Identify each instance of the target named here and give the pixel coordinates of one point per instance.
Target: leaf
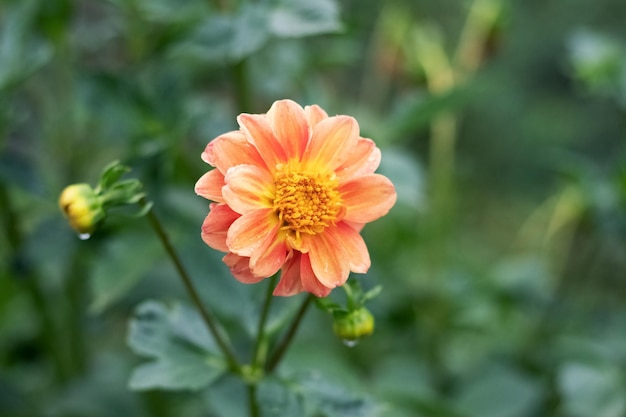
(182, 350)
(223, 39)
(301, 18)
(278, 399)
(330, 400)
(592, 391)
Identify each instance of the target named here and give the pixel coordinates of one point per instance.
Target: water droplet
(350, 342)
(84, 236)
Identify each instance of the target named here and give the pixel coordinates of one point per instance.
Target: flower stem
(252, 403)
(260, 336)
(284, 344)
(206, 314)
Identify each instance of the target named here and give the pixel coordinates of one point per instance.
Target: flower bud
(354, 324)
(81, 206)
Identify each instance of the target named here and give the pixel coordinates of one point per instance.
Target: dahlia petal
(247, 188)
(239, 267)
(315, 114)
(216, 224)
(363, 160)
(310, 281)
(332, 140)
(249, 231)
(354, 246)
(290, 126)
(259, 133)
(231, 149)
(329, 259)
(268, 258)
(367, 198)
(290, 279)
(210, 186)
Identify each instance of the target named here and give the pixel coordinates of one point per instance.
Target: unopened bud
(354, 324)
(82, 207)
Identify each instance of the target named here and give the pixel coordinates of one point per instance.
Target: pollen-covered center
(306, 202)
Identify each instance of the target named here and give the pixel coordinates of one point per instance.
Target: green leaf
(223, 39)
(592, 391)
(278, 399)
(330, 400)
(182, 350)
(301, 18)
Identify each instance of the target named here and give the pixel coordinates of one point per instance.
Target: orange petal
(363, 160)
(210, 186)
(329, 260)
(354, 246)
(216, 224)
(231, 149)
(290, 282)
(310, 283)
(238, 266)
(331, 142)
(315, 114)
(248, 232)
(247, 188)
(268, 258)
(259, 133)
(367, 198)
(290, 126)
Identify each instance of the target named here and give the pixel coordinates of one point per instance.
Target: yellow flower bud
(354, 325)
(81, 206)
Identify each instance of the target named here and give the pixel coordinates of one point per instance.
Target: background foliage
(503, 262)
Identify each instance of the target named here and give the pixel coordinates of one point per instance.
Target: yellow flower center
(306, 202)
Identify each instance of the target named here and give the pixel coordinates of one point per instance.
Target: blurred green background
(502, 125)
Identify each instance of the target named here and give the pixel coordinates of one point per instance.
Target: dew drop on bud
(350, 342)
(84, 236)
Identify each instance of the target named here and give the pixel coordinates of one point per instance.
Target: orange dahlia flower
(292, 190)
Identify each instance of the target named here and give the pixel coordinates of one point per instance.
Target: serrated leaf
(182, 350)
(305, 18)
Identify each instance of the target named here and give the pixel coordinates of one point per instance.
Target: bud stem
(206, 314)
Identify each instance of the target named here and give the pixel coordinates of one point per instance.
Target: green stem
(260, 336)
(284, 344)
(252, 403)
(206, 314)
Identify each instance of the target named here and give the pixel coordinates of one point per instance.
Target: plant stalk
(206, 314)
(286, 341)
(257, 356)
